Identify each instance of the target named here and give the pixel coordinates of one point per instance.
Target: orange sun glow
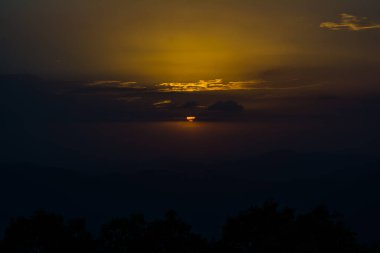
(191, 118)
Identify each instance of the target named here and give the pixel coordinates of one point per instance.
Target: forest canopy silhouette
(265, 228)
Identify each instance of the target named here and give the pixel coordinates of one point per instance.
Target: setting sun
(191, 118)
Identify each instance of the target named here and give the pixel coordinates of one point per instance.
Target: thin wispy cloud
(116, 84)
(129, 99)
(162, 103)
(350, 23)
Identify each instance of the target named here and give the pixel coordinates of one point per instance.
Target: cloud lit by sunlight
(209, 85)
(200, 86)
(351, 23)
(162, 103)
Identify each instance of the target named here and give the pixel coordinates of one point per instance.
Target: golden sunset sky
(160, 41)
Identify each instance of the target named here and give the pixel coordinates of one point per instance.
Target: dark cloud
(190, 105)
(25, 98)
(285, 92)
(226, 106)
(109, 86)
(287, 78)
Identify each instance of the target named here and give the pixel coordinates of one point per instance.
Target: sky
(139, 54)
(268, 62)
(218, 60)
(184, 41)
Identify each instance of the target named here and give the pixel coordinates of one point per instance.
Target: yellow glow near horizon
(204, 49)
(155, 41)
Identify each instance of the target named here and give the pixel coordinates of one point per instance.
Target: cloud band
(350, 23)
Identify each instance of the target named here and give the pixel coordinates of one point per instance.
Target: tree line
(261, 229)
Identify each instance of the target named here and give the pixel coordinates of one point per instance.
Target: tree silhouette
(1, 246)
(264, 229)
(172, 235)
(259, 229)
(123, 235)
(80, 239)
(45, 233)
(135, 235)
(319, 231)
